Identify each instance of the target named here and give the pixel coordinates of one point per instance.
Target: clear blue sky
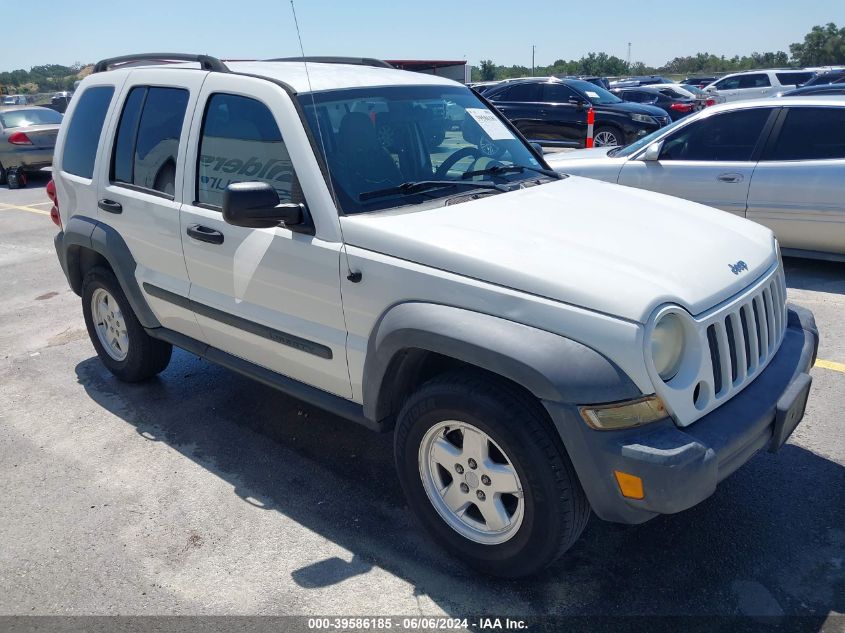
(66, 31)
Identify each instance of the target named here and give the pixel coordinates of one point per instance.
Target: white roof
(810, 100)
(324, 76)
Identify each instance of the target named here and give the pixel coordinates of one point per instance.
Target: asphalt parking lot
(203, 492)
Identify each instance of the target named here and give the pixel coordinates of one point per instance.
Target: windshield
(378, 138)
(25, 118)
(596, 94)
(645, 141)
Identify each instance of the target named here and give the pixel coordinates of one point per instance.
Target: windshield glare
(380, 137)
(634, 147)
(596, 94)
(25, 118)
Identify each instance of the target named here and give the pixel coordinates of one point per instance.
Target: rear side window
(793, 79)
(83, 134)
(147, 139)
(241, 142)
(731, 136)
(811, 133)
(522, 92)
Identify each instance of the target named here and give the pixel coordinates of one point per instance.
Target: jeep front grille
(743, 337)
(737, 339)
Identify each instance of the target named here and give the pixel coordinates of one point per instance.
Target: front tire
(486, 476)
(606, 136)
(123, 346)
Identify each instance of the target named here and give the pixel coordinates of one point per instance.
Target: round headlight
(667, 346)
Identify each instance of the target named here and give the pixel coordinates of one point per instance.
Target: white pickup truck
(538, 347)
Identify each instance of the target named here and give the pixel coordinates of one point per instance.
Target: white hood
(600, 246)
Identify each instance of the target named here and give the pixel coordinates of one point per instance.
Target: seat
(365, 164)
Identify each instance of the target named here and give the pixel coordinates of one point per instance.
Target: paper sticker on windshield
(490, 123)
(591, 94)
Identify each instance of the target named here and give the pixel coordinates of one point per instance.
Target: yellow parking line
(4, 207)
(40, 204)
(829, 364)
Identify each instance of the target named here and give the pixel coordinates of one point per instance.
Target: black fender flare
(552, 367)
(84, 232)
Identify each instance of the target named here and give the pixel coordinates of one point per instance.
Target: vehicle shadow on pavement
(810, 274)
(769, 543)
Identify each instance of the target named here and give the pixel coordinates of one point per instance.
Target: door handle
(205, 234)
(730, 177)
(110, 205)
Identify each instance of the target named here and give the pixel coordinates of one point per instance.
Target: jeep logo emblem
(739, 267)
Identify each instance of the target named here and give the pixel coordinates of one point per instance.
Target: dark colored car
(645, 80)
(805, 91)
(832, 77)
(601, 82)
(675, 103)
(553, 112)
(699, 81)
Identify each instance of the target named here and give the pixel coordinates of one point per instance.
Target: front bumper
(681, 467)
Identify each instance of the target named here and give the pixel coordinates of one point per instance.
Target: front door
(270, 296)
(710, 161)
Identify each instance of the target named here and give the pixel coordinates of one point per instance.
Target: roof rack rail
(328, 59)
(206, 62)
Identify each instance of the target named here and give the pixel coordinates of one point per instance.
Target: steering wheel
(452, 160)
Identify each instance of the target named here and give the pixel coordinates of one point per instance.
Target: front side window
(148, 136)
(731, 136)
(83, 135)
(558, 93)
(728, 83)
(378, 138)
(241, 142)
(811, 134)
(754, 81)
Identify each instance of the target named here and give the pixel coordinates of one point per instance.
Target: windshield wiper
(512, 169)
(418, 186)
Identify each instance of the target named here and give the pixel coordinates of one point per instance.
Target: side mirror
(538, 148)
(652, 152)
(577, 102)
(256, 205)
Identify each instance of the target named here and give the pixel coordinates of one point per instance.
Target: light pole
(629, 56)
(532, 60)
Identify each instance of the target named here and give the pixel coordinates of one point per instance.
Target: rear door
(798, 187)
(270, 296)
(708, 161)
(139, 183)
(522, 103)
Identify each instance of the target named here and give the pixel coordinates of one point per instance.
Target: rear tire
(451, 494)
(121, 342)
(2, 174)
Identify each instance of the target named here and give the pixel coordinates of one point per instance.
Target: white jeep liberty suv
(540, 345)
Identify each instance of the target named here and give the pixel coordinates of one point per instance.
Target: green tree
(822, 46)
(487, 69)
